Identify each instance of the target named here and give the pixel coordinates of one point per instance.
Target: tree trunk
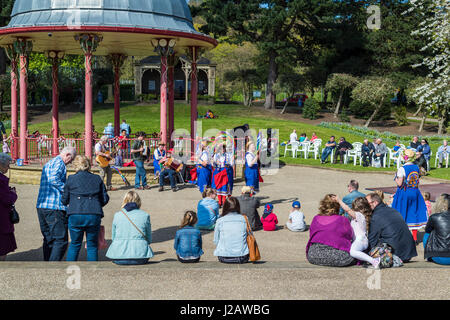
(1, 100)
(271, 79)
(2, 61)
(442, 120)
(417, 112)
(338, 106)
(286, 104)
(422, 123)
(374, 113)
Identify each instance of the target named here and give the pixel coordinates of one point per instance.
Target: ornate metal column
(23, 47)
(171, 65)
(117, 60)
(164, 47)
(193, 56)
(89, 44)
(55, 57)
(14, 57)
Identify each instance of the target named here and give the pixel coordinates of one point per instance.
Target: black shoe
(175, 189)
(161, 189)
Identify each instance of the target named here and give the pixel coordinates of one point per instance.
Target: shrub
(311, 109)
(363, 110)
(400, 115)
(343, 116)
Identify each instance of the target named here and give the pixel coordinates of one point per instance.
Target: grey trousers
(108, 173)
(322, 255)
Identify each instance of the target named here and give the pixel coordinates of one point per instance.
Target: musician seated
(169, 168)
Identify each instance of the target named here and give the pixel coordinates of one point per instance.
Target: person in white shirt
(293, 136)
(296, 222)
(360, 224)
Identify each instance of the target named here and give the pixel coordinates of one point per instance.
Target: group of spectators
(74, 206)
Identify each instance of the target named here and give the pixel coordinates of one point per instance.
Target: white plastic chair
(314, 147)
(354, 153)
(304, 146)
(293, 148)
(392, 157)
(446, 157)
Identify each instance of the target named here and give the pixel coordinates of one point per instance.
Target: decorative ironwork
(89, 44)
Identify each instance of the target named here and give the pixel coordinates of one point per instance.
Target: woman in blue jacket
(84, 195)
(207, 210)
(131, 233)
(188, 240)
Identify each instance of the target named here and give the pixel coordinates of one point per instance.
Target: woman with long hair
(251, 167)
(188, 240)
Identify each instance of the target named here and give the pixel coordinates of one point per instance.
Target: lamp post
(55, 57)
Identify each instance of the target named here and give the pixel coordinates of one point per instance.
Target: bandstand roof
(127, 26)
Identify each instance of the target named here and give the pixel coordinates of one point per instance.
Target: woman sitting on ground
(188, 240)
(330, 236)
(230, 234)
(436, 240)
(131, 233)
(208, 210)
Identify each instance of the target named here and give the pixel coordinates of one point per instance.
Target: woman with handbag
(7, 199)
(84, 195)
(131, 233)
(230, 234)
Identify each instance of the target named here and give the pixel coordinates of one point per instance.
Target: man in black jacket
(249, 206)
(341, 149)
(387, 226)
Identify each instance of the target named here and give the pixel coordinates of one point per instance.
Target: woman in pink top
(269, 219)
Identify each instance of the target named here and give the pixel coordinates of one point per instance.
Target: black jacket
(249, 206)
(438, 244)
(344, 145)
(387, 225)
(85, 193)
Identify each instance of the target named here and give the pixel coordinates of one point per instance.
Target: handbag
(14, 215)
(251, 242)
(136, 227)
(102, 244)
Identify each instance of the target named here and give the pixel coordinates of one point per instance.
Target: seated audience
(313, 137)
(353, 193)
(131, 233)
(7, 199)
(436, 241)
(414, 143)
(303, 138)
(249, 206)
(388, 226)
(188, 240)
(380, 151)
(84, 195)
(269, 219)
(208, 210)
(426, 197)
(230, 234)
(367, 150)
(293, 136)
(330, 236)
(329, 147)
(423, 154)
(296, 222)
(443, 153)
(341, 149)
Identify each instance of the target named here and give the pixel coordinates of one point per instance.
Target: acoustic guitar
(102, 161)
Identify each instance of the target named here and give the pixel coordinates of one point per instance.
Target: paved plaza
(283, 273)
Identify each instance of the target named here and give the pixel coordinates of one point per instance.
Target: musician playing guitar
(137, 152)
(103, 157)
(170, 167)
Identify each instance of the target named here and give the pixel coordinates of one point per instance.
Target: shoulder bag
(14, 215)
(251, 242)
(136, 227)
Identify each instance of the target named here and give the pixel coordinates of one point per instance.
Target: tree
(434, 95)
(373, 91)
(5, 86)
(5, 13)
(280, 29)
(291, 82)
(338, 83)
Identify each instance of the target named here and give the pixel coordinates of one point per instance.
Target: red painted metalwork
(194, 92)
(55, 107)
(171, 97)
(14, 109)
(163, 123)
(117, 61)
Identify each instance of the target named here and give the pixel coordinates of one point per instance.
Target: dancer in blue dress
(220, 180)
(407, 199)
(159, 154)
(204, 169)
(230, 170)
(251, 167)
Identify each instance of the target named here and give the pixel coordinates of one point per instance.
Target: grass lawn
(146, 118)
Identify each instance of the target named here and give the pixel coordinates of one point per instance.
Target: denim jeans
(78, 225)
(326, 153)
(240, 260)
(130, 262)
(171, 174)
(188, 260)
(141, 174)
(53, 224)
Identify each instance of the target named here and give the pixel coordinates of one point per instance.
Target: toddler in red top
(269, 219)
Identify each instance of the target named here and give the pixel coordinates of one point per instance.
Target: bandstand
(113, 28)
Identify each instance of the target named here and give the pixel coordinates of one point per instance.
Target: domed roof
(124, 24)
(154, 14)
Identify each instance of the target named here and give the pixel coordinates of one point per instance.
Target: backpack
(385, 252)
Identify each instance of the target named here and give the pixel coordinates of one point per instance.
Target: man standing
(388, 226)
(137, 152)
(102, 150)
(51, 212)
(125, 126)
(109, 131)
(353, 193)
(329, 147)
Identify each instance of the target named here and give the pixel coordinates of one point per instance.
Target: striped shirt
(53, 179)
